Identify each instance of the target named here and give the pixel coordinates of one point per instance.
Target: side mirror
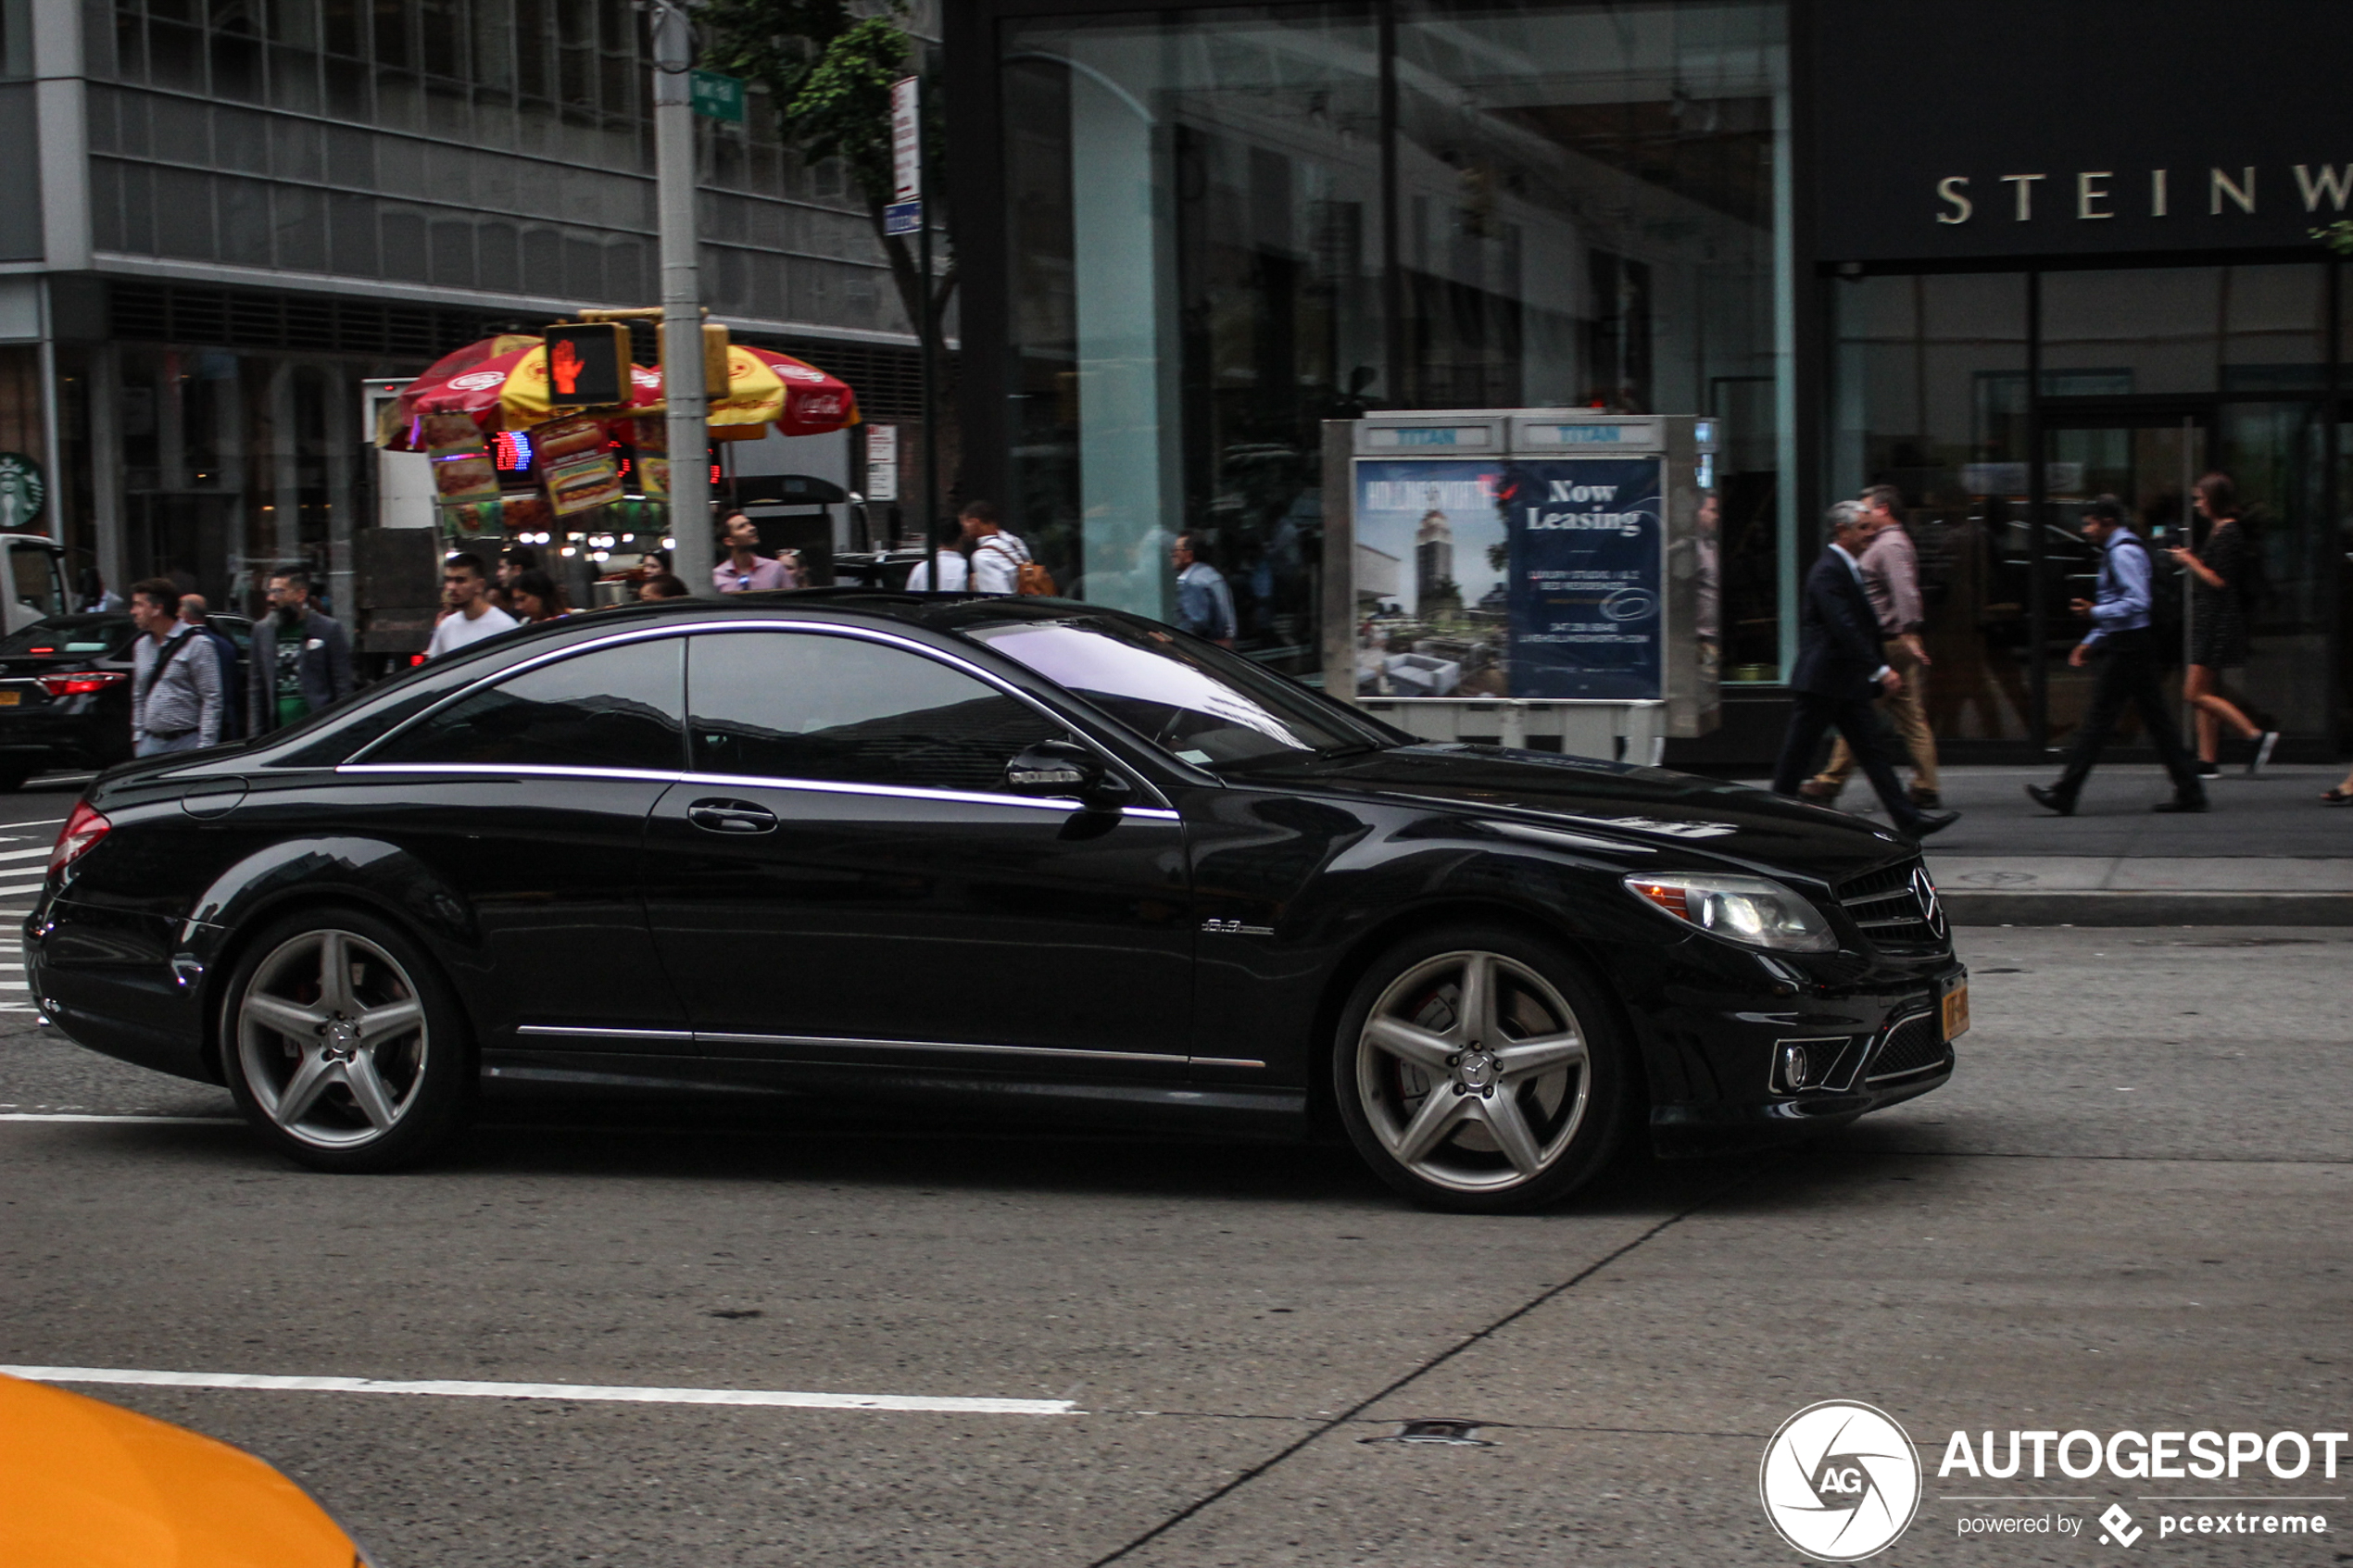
(1057, 769)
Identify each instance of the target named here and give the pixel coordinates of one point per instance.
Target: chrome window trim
(1062, 803)
(727, 1038)
(526, 769)
(649, 633)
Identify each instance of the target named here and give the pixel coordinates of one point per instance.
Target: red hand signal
(565, 365)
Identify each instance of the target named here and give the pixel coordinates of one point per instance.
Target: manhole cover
(1436, 1429)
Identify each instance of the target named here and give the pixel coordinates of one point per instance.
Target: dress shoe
(1927, 800)
(2182, 803)
(1931, 822)
(1818, 792)
(2050, 799)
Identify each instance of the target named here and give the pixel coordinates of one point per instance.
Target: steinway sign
(1964, 129)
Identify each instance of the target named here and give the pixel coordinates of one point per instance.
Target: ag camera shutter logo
(1840, 1481)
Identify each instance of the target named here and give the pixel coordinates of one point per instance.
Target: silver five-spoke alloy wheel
(1472, 1071)
(332, 1039)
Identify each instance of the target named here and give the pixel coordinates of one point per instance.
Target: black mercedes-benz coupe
(1021, 854)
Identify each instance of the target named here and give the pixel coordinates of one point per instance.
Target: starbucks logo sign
(22, 490)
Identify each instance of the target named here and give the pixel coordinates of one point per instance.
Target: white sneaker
(2262, 758)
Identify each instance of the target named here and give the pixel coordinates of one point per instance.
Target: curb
(2169, 907)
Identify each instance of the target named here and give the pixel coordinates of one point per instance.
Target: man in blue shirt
(1204, 604)
(2126, 649)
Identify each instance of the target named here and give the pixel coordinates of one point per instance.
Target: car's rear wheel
(343, 1046)
(1478, 1070)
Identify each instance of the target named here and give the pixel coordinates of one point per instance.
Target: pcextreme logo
(1840, 1481)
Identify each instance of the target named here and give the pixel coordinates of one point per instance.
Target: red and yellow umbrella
(765, 388)
(505, 389)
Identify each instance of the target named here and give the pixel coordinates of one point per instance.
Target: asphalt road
(2128, 1211)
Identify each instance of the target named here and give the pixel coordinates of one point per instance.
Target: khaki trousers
(1906, 713)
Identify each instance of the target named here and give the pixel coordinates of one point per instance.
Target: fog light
(1793, 1067)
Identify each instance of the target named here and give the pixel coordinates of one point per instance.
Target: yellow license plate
(1956, 1012)
(10, 699)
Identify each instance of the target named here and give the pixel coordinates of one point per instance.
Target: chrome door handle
(731, 816)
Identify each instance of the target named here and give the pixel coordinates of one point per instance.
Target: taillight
(82, 683)
(81, 833)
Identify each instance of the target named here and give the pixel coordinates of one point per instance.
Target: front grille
(1888, 907)
(1915, 1045)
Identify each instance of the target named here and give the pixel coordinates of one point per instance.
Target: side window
(614, 708)
(794, 705)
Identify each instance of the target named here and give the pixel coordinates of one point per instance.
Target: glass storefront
(1985, 396)
(1226, 226)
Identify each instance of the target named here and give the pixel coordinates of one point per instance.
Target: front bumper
(1872, 1029)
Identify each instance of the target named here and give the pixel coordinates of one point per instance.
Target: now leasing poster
(1586, 550)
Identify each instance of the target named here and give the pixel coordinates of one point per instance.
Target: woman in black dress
(2218, 571)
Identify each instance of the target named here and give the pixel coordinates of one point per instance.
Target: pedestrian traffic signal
(588, 364)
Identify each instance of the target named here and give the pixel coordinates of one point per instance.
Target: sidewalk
(2268, 854)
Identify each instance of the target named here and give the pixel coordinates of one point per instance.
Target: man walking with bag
(1840, 670)
(1891, 578)
(175, 681)
(2126, 649)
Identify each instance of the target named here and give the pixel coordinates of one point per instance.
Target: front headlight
(1753, 910)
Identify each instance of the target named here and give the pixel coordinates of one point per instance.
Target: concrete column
(106, 464)
(343, 435)
(285, 481)
(64, 130)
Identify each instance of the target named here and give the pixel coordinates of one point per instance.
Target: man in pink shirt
(1891, 578)
(743, 569)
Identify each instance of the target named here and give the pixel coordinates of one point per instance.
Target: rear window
(72, 636)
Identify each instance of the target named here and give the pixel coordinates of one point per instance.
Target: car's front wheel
(342, 1044)
(1478, 1070)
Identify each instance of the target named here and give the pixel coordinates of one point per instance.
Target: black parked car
(999, 852)
(65, 692)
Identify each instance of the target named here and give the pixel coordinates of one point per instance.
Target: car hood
(1655, 808)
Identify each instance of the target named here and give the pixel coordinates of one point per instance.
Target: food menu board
(577, 465)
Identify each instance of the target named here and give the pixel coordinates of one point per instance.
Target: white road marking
(578, 1391)
(24, 854)
(92, 1116)
(20, 888)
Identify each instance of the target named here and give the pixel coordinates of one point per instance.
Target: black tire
(365, 1103)
(1551, 1060)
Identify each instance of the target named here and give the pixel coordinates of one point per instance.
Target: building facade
(2003, 255)
(222, 215)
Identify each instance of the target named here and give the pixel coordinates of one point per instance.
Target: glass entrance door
(2148, 460)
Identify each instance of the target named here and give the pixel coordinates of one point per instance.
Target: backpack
(1030, 580)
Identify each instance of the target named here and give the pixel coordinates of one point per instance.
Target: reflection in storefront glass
(1221, 236)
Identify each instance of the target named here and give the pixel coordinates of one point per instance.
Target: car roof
(949, 613)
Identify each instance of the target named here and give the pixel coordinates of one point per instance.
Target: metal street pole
(927, 335)
(682, 353)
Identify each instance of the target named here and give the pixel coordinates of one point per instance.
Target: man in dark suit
(1840, 669)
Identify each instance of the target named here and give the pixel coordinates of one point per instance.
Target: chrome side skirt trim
(560, 1032)
(551, 1030)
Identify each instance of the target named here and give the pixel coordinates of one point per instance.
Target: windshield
(71, 636)
(1193, 700)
